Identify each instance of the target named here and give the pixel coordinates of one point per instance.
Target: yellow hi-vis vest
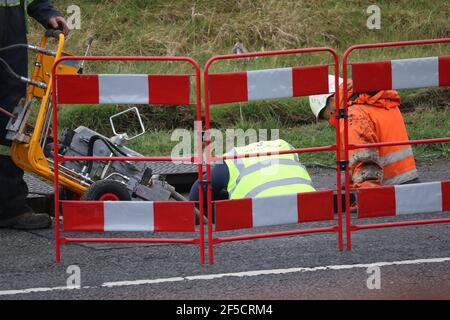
(9, 3)
(266, 175)
(15, 3)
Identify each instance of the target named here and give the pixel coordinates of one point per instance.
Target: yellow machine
(28, 142)
(32, 145)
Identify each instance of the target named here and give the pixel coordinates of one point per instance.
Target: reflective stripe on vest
(396, 156)
(385, 160)
(266, 175)
(398, 166)
(9, 3)
(364, 154)
(245, 171)
(5, 151)
(17, 3)
(402, 178)
(279, 183)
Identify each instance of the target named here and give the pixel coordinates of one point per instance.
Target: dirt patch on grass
(436, 98)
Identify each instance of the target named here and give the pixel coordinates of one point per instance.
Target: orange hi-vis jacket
(373, 119)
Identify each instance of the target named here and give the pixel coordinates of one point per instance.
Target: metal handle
(89, 44)
(52, 33)
(124, 135)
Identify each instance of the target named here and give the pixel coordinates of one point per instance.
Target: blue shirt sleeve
(42, 11)
(219, 182)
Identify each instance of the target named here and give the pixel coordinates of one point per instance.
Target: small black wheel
(107, 190)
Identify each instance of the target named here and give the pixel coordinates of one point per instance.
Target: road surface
(413, 262)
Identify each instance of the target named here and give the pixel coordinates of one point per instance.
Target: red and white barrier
(128, 216)
(401, 74)
(274, 210)
(404, 199)
(268, 84)
(124, 88)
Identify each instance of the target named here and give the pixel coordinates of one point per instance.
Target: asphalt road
(414, 262)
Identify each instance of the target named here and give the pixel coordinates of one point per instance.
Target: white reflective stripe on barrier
(269, 84)
(418, 198)
(415, 73)
(128, 216)
(124, 88)
(268, 211)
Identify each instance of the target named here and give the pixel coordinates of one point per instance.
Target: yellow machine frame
(30, 156)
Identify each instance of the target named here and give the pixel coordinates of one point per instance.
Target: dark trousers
(13, 189)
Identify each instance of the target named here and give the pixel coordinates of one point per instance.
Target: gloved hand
(57, 22)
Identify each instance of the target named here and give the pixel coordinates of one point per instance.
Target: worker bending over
(373, 117)
(258, 176)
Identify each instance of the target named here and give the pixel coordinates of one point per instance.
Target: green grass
(429, 123)
(421, 124)
(203, 28)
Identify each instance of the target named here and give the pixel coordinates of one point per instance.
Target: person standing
(14, 212)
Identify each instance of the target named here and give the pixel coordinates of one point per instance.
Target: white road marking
(33, 290)
(140, 282)
(234, 274)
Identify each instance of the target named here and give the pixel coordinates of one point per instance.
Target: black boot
(27, 221)
(14, 212)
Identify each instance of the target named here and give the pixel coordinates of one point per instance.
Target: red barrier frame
(192, 159)
(348, 147)
(209, 159)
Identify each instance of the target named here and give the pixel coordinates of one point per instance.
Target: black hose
(9, 70)
(29, 47)
(12, 73)
(108, 143)
(14, 46)
(90, 152)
